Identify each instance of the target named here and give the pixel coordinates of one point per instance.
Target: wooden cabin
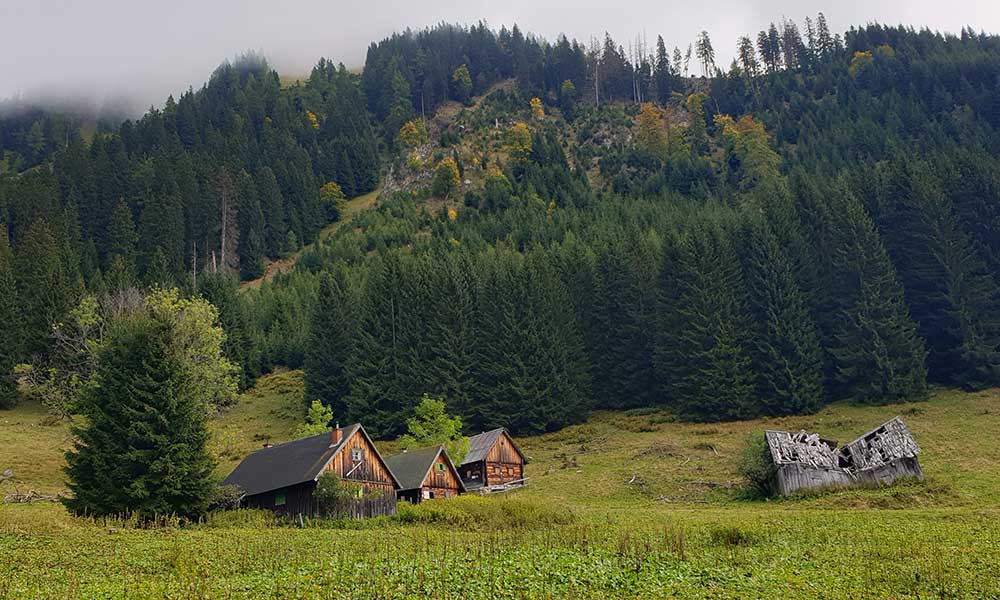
(282, 477)
(425, 474)
(494, 462)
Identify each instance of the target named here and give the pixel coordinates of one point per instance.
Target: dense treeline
(627, 246)
(767, 283)
(218, 181)
(414, 72)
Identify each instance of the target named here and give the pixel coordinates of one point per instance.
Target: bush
(241, 519)
(331, 494)
(730, 536)
(756, 466)
(483, 513)
(225, 497)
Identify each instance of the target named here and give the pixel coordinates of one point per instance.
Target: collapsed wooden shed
(804, 460)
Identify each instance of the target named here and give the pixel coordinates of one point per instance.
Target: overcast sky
(145, 50)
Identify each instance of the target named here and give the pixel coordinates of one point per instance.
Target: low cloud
(137, 52)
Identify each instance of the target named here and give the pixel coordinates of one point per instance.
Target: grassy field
(628, 505)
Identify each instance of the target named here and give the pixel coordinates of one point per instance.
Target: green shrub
(730, 536)
(240, 519)
(225, 497)
(755, 465)
(484, 513)
(331, 494)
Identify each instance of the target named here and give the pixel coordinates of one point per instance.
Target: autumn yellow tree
(518, 142)
(696, 135)
(461, 83)
(331, 197)
(859, 62)
(537, 110)
(331, 192)
(313, 120)
(749, 143)
(446, 180)
(650, 134)
(413, 133)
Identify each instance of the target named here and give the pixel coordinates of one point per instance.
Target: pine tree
(222, 291)
(44, 289)
(704, 356)
(9, 323)
(788, 358)
(877, 354)
(950, 292)
(330, 347)
(250, 225)
(142, 449)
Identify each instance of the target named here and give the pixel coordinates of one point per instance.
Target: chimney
(336, 435)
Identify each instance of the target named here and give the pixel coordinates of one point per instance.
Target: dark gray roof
(479, 445)
(411, 468)
(287, 464)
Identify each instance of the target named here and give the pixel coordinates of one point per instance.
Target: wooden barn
(804, 460)
(494, 463)
(282, 477)
(425, 474)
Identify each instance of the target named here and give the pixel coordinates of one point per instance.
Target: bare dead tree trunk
(194, 266)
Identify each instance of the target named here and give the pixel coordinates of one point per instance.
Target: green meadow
(627, 505)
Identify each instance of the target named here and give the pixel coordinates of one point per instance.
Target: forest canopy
(560, 226)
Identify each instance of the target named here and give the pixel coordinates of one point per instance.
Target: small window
(440, 467)
(356, 455)
(279, 498)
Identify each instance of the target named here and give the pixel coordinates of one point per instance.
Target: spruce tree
(950, 292)
(330, 344)
(142, 448)
(44, 289)
(222, 291)
(625, 306)
(383, 389)
(705, 351)
(786, 350)
(9, 323)
(122, 239)
(877, 354)
(250, 225)
(272, 207)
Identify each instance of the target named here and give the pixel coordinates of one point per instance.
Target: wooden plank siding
(441, 481)
(503, 464)
(370, 472)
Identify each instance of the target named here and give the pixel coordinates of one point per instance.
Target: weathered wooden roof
(411, 468)
(479, 445)
(291, 463)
